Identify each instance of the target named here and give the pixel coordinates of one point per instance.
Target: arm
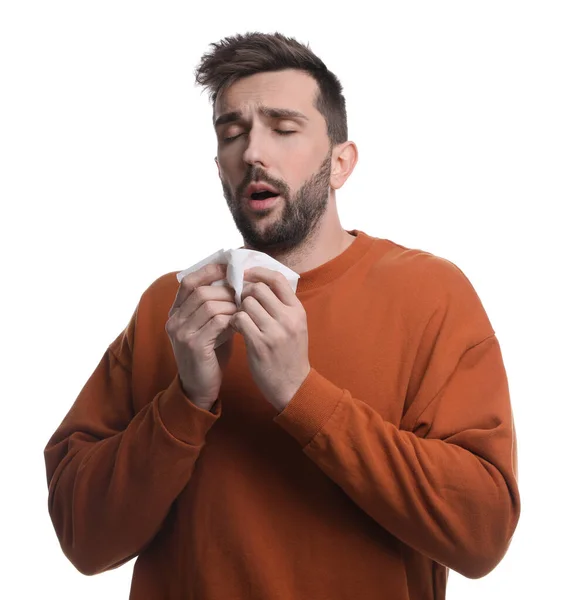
(451, 494)
(444, 482)
(113, 474)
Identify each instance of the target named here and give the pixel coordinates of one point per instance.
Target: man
(351, 440)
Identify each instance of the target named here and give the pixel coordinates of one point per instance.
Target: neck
(327, 241)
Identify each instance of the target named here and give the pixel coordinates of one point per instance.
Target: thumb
(234, 323)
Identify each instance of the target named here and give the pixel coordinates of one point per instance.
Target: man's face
(289, 152)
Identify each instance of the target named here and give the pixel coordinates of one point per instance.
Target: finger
(204, 276)
(203, 294)
(208, 311)
(276, 282)
(264, 295)
(242, 323)
(260, 317)
(224, 336)
(209, 333)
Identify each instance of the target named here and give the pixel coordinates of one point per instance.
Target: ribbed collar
(335, 267)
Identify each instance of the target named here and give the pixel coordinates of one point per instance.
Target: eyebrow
(272, 113)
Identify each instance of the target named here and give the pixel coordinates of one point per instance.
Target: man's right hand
(199, 315)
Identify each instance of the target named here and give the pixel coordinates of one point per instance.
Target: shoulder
(419, 271)
(159, 295)
(150, 315)
(164, 285)
(431, 288)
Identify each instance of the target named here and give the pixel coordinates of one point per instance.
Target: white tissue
(238, 260)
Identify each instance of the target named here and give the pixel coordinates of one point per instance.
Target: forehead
(290, 89)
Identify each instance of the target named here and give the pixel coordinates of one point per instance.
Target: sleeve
(445, 481)
(112, 474)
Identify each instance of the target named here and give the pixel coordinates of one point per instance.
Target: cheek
(299, 168)
(227, 172)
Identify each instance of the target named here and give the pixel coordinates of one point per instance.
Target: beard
(299, 216)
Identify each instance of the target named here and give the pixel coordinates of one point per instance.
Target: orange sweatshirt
(394, 461)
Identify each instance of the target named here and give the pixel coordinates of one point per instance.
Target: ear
(218, 166)
(345, 157)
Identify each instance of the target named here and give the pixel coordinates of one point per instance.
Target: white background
(108, 181)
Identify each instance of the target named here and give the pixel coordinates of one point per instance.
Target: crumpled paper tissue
(238, 260)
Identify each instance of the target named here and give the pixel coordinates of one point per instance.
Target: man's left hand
(273, 323)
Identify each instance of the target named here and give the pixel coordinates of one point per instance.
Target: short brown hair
(241, 55)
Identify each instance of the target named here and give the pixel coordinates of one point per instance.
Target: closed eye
(229, 139)
(278, 131)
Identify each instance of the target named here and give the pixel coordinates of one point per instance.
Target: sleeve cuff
(182, 418)
(310, 409)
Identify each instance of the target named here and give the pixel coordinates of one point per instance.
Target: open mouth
(263, 195)
(263, 201)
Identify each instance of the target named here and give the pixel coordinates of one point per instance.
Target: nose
(256, 152)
